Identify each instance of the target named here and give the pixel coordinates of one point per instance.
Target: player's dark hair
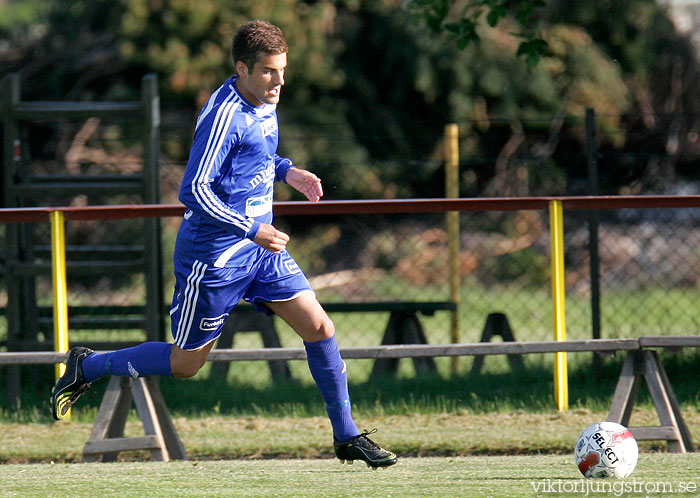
(255, 38)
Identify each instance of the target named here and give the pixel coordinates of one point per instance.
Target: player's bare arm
(305, 182)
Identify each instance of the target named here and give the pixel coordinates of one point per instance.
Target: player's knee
(186, 365)
(326, 328)
(183, 371)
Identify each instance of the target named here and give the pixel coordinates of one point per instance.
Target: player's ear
(241, 68)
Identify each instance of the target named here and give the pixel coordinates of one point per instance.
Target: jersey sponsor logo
(268, 127)
(292, 266)
(211, 324)
(266, 176)
(257, 206)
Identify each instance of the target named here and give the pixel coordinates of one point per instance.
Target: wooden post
(452, 191)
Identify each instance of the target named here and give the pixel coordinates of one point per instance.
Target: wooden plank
(387, 351)
(660, 398)
(426, 307)
(257, 354)
(111, 399)
(683, 430)
(33, 358)
(251, 322)
(174, 445)
(670, 341)
(149, 418)
(120, 414)
(121, 444)
(406, 351)
(626, 391)
(111, 417)
(663, 432)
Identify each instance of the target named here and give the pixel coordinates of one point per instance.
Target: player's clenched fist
(271, 239)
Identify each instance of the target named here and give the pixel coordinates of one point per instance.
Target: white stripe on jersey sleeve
(207, 109)
(201, 189)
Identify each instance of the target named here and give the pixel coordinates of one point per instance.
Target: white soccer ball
(606, 449)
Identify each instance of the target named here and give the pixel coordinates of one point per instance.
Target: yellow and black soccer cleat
(71, 385)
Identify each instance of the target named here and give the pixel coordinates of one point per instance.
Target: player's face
(262, 84)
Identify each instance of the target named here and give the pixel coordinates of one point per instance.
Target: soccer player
(227, 248)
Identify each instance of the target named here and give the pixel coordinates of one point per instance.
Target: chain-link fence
(649, 272)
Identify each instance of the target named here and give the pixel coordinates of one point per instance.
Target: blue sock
(149, 358)
(328, 370)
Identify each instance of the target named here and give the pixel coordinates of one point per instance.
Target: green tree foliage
(188, 41)
(18, 17)
(426, 84)
(461, 20)
(662, 72)
(369, 90)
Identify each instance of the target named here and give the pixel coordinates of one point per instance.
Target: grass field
(263, 437)
(482, 476)
(495, 434)
(492, 434)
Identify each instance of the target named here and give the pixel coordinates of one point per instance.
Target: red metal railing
(40, 214)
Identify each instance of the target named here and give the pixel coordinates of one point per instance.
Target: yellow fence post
(452, 190)
(561, 376)
(60, 288)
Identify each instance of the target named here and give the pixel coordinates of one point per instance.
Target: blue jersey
(229, 178)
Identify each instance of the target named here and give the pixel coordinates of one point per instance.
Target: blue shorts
(205, 295)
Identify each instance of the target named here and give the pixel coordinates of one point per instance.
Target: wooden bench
(642, 362)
